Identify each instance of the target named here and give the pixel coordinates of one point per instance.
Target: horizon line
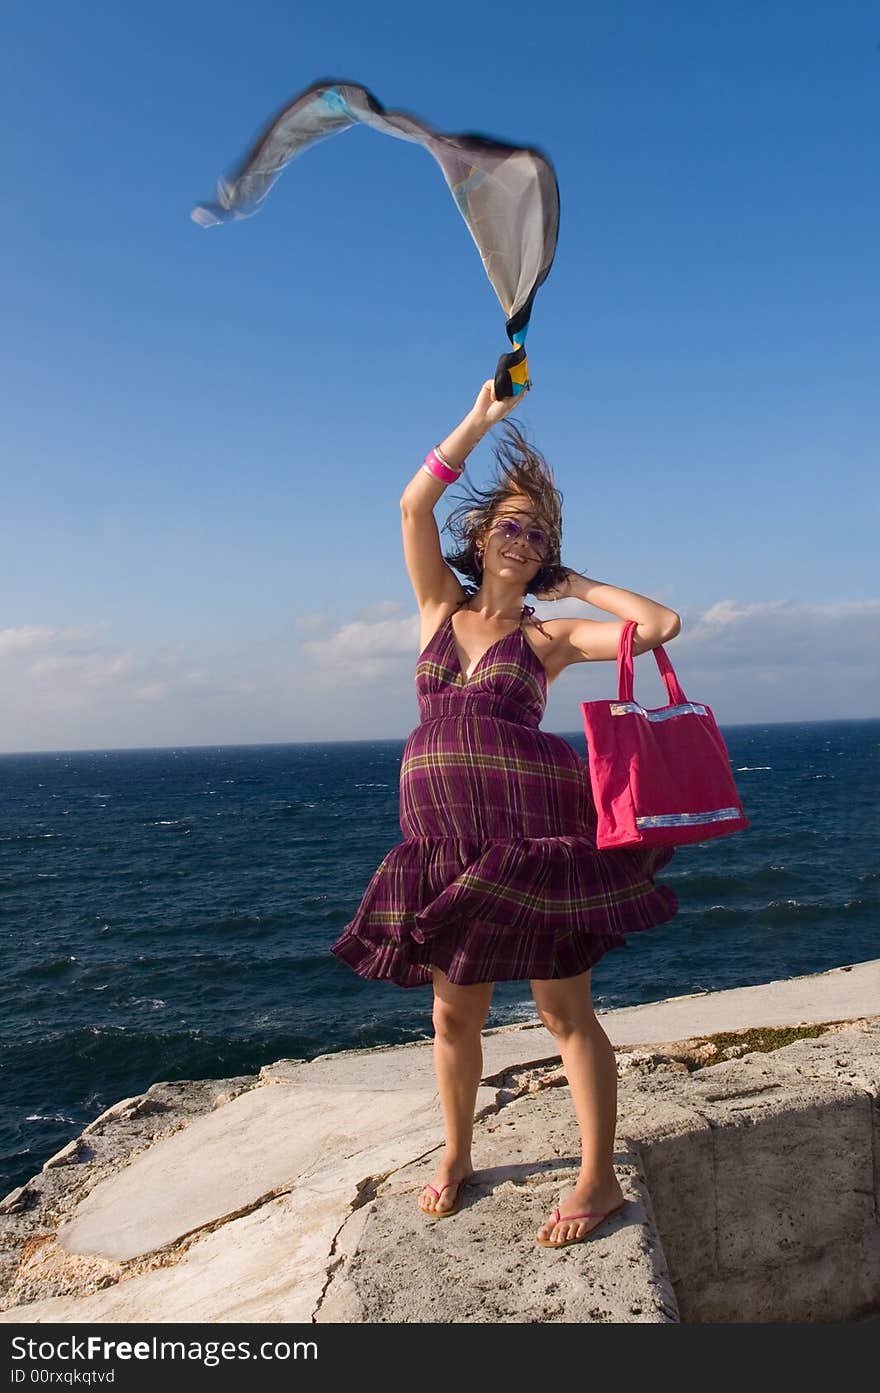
(377, 740)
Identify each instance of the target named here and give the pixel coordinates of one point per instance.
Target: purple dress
(498, 877)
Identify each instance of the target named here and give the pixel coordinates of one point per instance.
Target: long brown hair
(521, 469)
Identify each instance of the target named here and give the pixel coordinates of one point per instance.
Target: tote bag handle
(625, 668)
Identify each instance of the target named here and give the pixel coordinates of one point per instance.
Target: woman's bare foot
(450, 1168)
(587, 1194)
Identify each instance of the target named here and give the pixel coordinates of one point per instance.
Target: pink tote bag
(659, 777)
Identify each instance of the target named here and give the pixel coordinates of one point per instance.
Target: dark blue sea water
(167, 914)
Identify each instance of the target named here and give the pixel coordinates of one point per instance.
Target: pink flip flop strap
(439, 1192)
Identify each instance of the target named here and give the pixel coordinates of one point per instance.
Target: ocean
(168, 913)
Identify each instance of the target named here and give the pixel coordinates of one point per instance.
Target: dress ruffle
(517, 908)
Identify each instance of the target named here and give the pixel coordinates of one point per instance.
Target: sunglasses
(512, 532)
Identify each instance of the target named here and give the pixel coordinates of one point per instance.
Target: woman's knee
(450, 1024)
(460, 1011)
(562, 1025)
(565, 1006)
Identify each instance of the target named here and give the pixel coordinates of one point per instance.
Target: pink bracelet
(435, 464)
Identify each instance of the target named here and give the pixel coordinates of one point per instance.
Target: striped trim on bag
(627, 708)
(687, 819)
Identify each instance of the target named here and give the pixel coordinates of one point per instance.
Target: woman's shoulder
(549, 630)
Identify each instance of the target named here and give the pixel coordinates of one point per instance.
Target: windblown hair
(521, 469)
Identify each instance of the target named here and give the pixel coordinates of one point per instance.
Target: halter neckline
(464, 679)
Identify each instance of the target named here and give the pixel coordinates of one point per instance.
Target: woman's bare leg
(565, 1006)
(459, 1016)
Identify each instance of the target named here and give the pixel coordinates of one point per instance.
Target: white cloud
(27, 636)
(775, 617)
(365, 648)
(30, 636)
(726, 614)
(151, 691)
(88, 669)
(312, 622)
(782, 660)
(316, 679)
(57, 678)
(383, 609)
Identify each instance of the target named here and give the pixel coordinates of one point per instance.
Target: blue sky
(206, 433)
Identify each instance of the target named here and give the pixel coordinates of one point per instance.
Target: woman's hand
(563, 591)
(487, 410)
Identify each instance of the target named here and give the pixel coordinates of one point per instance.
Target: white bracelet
(459, 469)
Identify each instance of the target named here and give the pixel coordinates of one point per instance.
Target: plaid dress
(498, 877)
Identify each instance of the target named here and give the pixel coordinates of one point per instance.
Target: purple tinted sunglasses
(512, 532)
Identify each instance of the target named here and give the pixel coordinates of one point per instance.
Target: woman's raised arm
(423, 489)
(433, 581)
(591, 640)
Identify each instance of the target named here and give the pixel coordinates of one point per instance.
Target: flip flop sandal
(453, 1208)
(558, 1218)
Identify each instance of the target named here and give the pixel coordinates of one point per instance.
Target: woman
(498, 877)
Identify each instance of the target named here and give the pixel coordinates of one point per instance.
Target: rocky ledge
(748, 1148)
